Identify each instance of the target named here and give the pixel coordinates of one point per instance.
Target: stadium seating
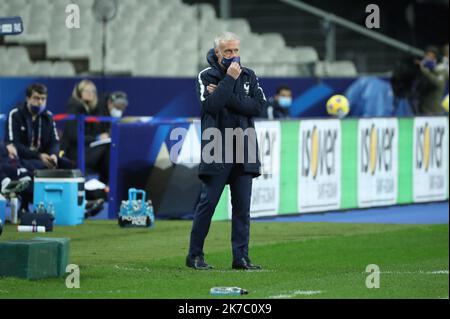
(338, 69)
(22, 65)
(150, 38)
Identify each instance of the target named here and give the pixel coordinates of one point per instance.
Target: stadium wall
(312, 165)
(169, 97)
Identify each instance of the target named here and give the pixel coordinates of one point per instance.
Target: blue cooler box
(65, 190)
(2, 209)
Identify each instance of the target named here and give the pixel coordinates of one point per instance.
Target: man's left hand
(211, 88)
(12, 151)
(54, 159)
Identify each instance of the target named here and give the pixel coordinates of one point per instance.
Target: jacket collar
(24, 109)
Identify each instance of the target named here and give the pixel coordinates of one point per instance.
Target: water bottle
(51, 209)
(30, 229)
(14, 205)
(40, 208)
(228, 291)
(149, 212)
(123, 208)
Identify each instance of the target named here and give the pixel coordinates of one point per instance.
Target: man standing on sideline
(230, 98)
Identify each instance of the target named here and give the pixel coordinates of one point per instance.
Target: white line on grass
(242, 271)
(90, 292)
(145, 269)
(297, 293)
(436, 272)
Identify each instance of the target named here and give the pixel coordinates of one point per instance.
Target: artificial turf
(300, 260)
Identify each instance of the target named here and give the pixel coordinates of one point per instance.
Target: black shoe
(197, 263)
(245, 263)
(14, 187)
(93, 208)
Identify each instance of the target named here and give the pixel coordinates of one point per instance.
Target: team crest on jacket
(247, 88)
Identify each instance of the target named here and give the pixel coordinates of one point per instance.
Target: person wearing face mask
(111, 105)
(278, 106)
(84, 101)
(32, 131)
(230, 98)
(430, 87)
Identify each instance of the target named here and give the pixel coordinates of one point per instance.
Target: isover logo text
(377, 149)
(266, 142)
(377, 162)
(319, 174)
(319, 152)
(265, 198)
(429, 147)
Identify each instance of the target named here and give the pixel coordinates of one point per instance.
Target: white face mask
(116, 113)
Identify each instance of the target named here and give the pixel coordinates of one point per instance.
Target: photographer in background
(421, 82)
(443, 66)
(430, 86)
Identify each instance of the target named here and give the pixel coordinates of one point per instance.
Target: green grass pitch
(300, 260)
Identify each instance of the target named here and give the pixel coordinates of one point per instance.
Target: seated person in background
(14, 178)
(31, 129)
(84, 101)
(111, 105)
(278, 106)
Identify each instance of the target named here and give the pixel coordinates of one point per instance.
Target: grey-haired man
(230, 98)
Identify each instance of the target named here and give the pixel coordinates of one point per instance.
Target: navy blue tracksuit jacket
(25, 134)
(233, 104)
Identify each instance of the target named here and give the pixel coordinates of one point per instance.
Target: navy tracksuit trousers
(212, 188)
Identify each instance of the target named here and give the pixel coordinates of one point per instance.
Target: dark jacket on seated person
(31, 138)
(273, 110)
(70, 136)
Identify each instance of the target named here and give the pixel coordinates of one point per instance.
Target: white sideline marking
(90, 292)
(436, 272)
(145, 269)
(297, 293)
(439, 272)
(241, 271)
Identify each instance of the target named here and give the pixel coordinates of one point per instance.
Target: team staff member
(230, 97)
(278, 107)
(112, 105)
(84, 101)
(31, 129)
(14, 178)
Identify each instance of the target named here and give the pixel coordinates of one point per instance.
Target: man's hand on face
(47, 160)
(211, 88)
(234, 70)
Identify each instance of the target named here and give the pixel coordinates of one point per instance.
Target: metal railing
(331, 20)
